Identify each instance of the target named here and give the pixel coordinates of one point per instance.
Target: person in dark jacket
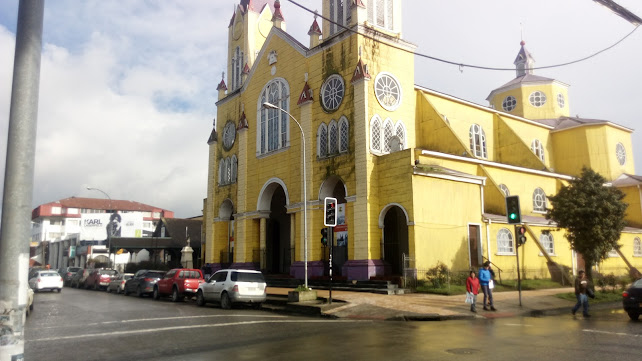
(484, 279)
(581, 285)
(472, 286)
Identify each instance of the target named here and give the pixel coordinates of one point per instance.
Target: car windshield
(110, 272)
(638, 283)
(49, 274)
(126, 277)
(247, 277)
(154, 275)
(74, 269)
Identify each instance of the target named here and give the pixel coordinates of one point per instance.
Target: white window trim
(387, 18)
(551, 254)
(393, 107)
(473, 141)
(260, 130)
(344, 120)
(503, 253)
(535, 210)
(322, 145)
(376, 119)
(538, 148)
(323, 87)
(639, 253)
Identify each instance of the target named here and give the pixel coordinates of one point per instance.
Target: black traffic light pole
(519, 280)
(331, 240)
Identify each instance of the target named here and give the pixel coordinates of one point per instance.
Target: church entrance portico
(276, 248)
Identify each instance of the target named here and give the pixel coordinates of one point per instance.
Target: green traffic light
(513, 216)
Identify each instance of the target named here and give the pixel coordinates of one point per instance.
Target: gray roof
(627, 180)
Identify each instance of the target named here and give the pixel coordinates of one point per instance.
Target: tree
(592, 215)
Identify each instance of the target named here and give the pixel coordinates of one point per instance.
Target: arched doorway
(335, 187)
(226, 213)
(278, 254)
(395, 238)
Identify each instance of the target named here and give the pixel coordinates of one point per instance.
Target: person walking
(581, 287)
(472, 286)
(485, 277)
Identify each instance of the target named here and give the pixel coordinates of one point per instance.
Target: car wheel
(31, 307)
(200, 300)
(125, 292)
(257, 306)
(156, 294)
(59, 290)
(139, 292)
(226, 303)
(175, 295)
(108, 289)
(634, 315)
(95, 286)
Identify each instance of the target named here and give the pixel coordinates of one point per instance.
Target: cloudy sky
(128, 88)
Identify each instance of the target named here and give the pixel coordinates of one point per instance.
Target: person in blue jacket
(485, 276)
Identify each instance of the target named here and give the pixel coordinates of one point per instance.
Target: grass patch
(600, 297)
(539, 284)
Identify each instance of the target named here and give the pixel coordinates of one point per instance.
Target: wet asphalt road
(94, 325)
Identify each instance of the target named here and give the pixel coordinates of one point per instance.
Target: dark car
(67, 273)
(100, 278)
(632, 300)
(78, 279)
(143, 282)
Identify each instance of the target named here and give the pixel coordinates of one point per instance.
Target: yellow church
(420, 176)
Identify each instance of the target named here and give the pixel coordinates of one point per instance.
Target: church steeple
(524, 61)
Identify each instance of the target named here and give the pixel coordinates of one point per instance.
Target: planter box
(300, 296)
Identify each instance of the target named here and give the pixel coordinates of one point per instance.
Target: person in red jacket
(472, 286)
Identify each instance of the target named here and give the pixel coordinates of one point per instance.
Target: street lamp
(305, 192)
(109, 230)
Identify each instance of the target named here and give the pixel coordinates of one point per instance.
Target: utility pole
(18, 179)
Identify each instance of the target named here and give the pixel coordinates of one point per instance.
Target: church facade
(420, 176)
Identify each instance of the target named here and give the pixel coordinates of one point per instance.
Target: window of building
(340, 14)
(538, 149)
(400, 132)
(273, 128)
(322, 140)
(560, 100)
(537, 98)
(237, 68)
(505, 242)
(235, 167)
(55, 222)
(477, 141)
(229, 135)
(332, 92)
(375, 135)
(637, 247)
(344, 134)
(546, 240)
(613, 253)
(620, 153)
(509, 103)
(539, 200)
(156, 214)
(380, 13)
(388, 91)
(333, 138)
(56, 210)
(228, 170)
(385, 137)
(72, 210)
(147, 225)
(504, 189)
(73, 223)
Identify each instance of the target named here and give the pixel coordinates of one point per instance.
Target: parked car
(67, 273)
(78, 279)
(29, 307)
(632, 300)
(117, 283)
(46, 280)
(143, 282)
(100, 278)
(178, 283)
(231, 286)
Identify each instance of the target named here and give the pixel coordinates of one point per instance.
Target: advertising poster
(96, 226)
(341, 229)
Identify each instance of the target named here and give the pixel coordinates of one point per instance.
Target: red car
(178, 283)
(100, 278)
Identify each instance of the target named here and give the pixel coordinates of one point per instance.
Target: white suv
(230, 286)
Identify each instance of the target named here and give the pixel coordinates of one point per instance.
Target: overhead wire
(460, 65)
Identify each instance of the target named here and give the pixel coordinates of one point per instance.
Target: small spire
(277, 11)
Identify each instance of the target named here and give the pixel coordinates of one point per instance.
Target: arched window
(400, 132)
(477, 141)
(339, 14)
(221, 172)
(344, 134)
(538, 149)
(637, 247)
(504, 189)
(322, 141)
(546, 240)
(539, 200)
(375, 135)
(505, 242)
(387, 135)
(228, 171)
(235, 167)
(380, 13)
(273, 128)
(333, 138)
(237, 68)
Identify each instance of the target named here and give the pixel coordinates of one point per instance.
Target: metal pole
(109, 230)
(331, 240)
(305, 193)
(18, 179)
(519, 280)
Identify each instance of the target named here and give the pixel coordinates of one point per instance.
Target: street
(95, 325)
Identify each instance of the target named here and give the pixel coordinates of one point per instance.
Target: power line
(463, 65)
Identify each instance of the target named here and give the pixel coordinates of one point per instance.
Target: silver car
(46, 280)
(231, 286)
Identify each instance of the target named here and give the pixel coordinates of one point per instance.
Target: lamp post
(305, 191)
(109, 229)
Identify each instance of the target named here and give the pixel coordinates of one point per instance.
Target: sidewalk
(420, 306)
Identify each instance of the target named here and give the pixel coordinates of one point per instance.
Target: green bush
(438, 275)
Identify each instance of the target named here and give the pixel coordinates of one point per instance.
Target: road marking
(518, 325)
(612, 333)
(160, 319)
(173, 328)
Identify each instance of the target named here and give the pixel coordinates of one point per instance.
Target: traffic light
(330, 212)
(513, 213)
(324, 237)
(520, 233)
